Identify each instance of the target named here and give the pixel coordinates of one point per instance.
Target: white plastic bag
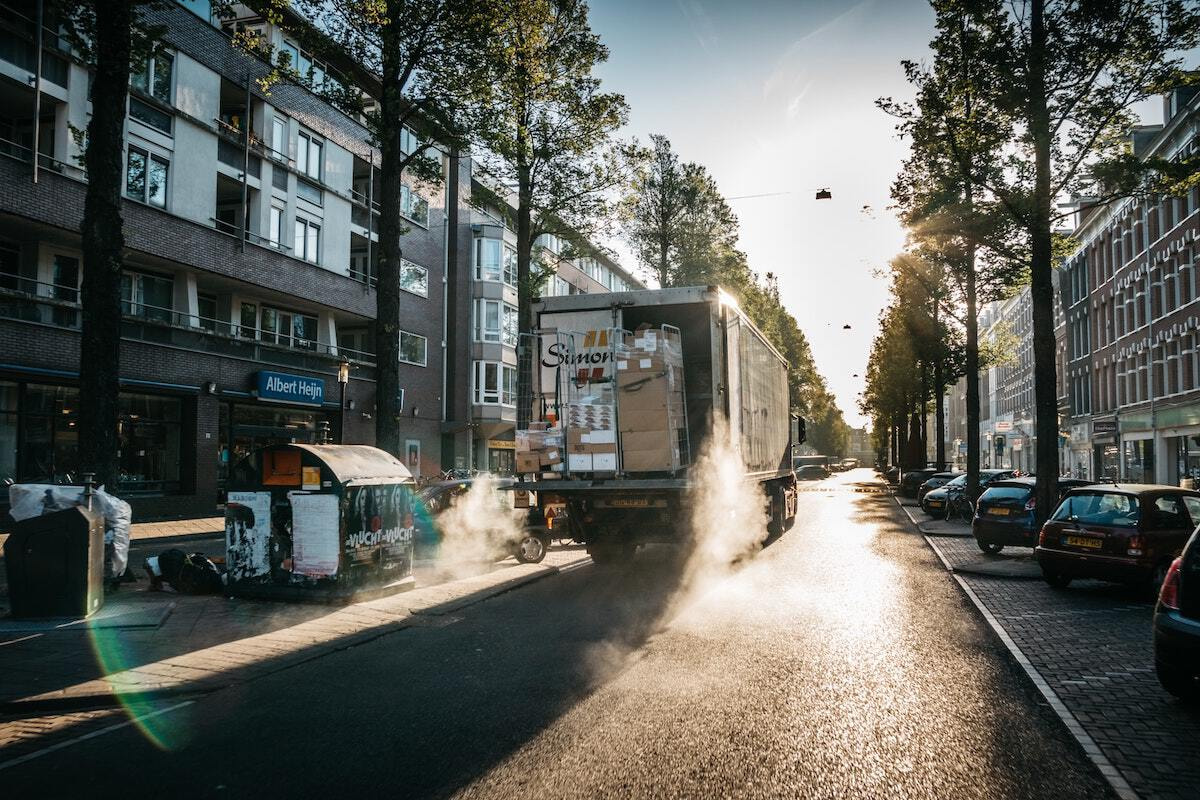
(27, 500)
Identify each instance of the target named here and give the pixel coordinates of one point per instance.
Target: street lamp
(343, 383)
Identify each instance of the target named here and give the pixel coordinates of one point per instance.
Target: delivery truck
(628, 389)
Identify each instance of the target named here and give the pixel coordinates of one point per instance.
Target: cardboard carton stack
(540, 449)
(591, 436)
(650, 401)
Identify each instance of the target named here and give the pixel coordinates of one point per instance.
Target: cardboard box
(598, 437)
(549, 457)
(657, 460)
(649, 440)
(579, 462)
(528, 462)
(604, 462)
(656, 419)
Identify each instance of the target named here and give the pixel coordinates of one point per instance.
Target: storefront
(283, 409)
(39, 437)
(501, 456)
(1137, 459)
(1079, 452)
(1106, 456)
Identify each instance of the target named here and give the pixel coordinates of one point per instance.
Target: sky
(777, 96)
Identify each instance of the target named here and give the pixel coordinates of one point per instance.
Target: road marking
(22, 639)
(586, 562)
(59, 746)
(1090, 748)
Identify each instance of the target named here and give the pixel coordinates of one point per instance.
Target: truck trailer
(628, 390)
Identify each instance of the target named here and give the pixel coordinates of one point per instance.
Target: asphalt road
(840, 662)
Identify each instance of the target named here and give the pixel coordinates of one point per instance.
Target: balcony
(30, 301)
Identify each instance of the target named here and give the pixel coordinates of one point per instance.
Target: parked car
(811, 472)
(935, 481)
(912, 479)
(892, 475)
(1177, 625)
(849, 463)
(1005, 513)
(1123, 533)
(528, 544)
(934, 502)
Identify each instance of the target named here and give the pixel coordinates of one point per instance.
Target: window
(495, 321)
(10, 267)
(148, 114)
(308, 155)
(408, 141)
(146, 178)
(309, 192)
(275, 229)
(487, 259)
(65, 279)
(495, 383)
(206, 309)
(510, 265)
(152, 77)
(279, 137)
(149, 442)
(413, 206)
(414, 278)
(147, 296)
(289, 328)
(307, 240)
(412, 348)
(248, 322)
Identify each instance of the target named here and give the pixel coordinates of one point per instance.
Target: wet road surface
(840, 662)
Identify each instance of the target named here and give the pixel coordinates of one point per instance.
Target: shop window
(413, 348)
(147, 296)
(8, 432)
(149, 440)
(50, 440)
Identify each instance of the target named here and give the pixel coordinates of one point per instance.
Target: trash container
(55, 564)
(319, 522)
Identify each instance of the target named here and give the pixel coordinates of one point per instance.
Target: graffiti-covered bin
(320, 522)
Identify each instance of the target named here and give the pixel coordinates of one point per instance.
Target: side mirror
(799, 430)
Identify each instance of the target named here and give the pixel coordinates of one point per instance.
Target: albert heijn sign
(279, 387)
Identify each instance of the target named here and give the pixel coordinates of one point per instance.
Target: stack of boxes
(591, 436)
(650, 399)
(539, 449)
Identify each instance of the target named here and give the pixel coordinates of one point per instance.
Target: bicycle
(959, 506)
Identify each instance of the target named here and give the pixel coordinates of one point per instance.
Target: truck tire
(611, 553)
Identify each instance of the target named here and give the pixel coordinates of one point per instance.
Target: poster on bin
(316, 539)
(576, 357)
(247, 534)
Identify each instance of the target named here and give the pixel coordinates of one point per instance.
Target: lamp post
(343, 377)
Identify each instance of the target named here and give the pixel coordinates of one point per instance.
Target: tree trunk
(524, 293)
(1041, 272)
(103, 245)
(387, 293)
(924, 408)
(915, 459)
(939, 415)
(972, 369)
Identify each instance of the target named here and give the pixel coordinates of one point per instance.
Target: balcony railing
(20, 152)
(33, 301)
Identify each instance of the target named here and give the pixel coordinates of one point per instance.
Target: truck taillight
(1134, 548)
(1169, 594)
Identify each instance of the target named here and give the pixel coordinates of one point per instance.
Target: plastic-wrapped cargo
(27, 500)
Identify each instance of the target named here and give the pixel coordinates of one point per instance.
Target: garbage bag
(27, 500)
(189, 574)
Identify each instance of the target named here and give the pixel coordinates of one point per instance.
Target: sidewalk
(68, 682)
(157, 530)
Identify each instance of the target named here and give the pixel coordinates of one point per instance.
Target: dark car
(528, 545)
(1127, 533)
(935, 501)
(935, 481)
(811, 472)
(912, 479)
(1177, 625)
(1005, 515)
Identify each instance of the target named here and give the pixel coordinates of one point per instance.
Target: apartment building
(1133, 375)
(248, 292)
(490, 352)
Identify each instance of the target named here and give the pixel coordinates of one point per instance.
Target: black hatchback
(1177, 625)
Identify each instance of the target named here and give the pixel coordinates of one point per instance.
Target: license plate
(635, 502)
(1085, 541)
(935, 503)
(998, 512)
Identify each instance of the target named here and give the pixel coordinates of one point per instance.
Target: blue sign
(279, 387)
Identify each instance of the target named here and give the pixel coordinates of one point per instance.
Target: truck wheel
(531, 549)
(611, 553)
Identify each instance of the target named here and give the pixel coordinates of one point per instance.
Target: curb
(1090, 749)
(202, 687)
